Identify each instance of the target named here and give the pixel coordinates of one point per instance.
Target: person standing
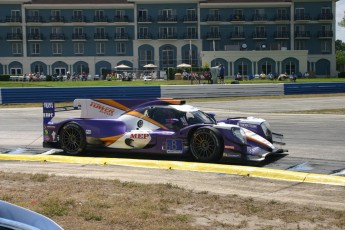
(221, 73)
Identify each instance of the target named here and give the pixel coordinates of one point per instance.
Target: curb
(188, 166)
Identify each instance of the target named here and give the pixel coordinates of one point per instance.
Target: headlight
(266, 128)
(240, 134)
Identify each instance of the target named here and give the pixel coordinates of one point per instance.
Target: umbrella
(184, 65)
(123, 66)
(150, 66)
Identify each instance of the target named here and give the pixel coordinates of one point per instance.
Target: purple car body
(158, 126)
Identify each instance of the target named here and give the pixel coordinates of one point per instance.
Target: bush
(4, 77)
(48, 78)
(341, 75)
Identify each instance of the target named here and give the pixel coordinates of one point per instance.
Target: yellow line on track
(188, 166)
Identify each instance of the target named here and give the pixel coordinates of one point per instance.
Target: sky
(340, 31)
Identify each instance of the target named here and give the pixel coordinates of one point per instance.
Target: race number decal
(174, 146)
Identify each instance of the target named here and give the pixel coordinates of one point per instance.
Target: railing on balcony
(14, 37)
(57, 36)
(190, 36)
(302, 35)
(213, 35)
(77, 36)
(281, 35)
(13, 19)
(121, 18)
(190, 18)
(121, 36)
(147, 19)
(259, 35)
(34, 19)
(78, 19)
(281, 17)
(145, 36)
(57, 19)
(35, 37)
(325, 34)
(100, 19)
(213, 18)
(167, 36)
(237, 18)
(237, 35)
(100, 36)
(164, 18)
(324, 17)
(259, 17)
(302, 17)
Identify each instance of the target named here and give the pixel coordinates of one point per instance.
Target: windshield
(197, 117)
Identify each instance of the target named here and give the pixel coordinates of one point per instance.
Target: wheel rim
(72, 139)
(203, 145)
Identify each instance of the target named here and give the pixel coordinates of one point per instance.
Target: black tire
(72, 139)
(206, 145)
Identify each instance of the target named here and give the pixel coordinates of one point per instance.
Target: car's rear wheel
(206, 145)
(72, 139)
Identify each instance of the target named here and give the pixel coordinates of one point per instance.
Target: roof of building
(78, 1)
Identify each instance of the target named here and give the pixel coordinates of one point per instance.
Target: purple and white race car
(165, 126)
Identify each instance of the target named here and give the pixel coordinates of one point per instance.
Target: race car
(163, 125)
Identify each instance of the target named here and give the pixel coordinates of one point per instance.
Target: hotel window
(57, 48)
(120, 48)
(326, 46)
(168, 56)
(17, 48)
(146, 57)
(35, 48)
(78, 48)
(100, 48)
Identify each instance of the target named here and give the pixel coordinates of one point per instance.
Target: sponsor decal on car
(102, 109)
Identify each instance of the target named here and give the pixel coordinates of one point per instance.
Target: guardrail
(60, 94)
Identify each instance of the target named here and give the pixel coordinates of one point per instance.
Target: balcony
(14, 37)
(101, 36)
(57, 19)
(325, 17)
(100, 19)
(146, 19)
(237, 18)
(121, 36)
(35, 37)
(259, 17)
(302, 35)
(145, 36)
(190, 18)
(281, 35)
(36, 19)
(57, 37)
(190, 36)
(302, 17)
(259, 35)
(165, 36)
(281, 17)
(78, 19)
(213, 18)
(79, 37)
(325, 34)
(237, 36)
(167, 19)
(13, 19)
(121, 19)
(213, 36)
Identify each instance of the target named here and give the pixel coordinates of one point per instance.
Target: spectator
(270, 76)
(306, 75)
(185, 75)
(221, 74)
(83, 76)
(262, 76)
(239, 77)
(293, 77)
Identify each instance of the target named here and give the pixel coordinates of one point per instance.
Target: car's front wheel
(206, 145)
(72, 139)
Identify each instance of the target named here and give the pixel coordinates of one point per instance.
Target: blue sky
(340, 31)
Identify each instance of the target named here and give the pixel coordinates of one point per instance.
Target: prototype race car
(158, 126)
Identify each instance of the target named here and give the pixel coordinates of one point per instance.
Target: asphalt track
(315, 142)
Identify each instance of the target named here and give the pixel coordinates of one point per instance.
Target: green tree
(339, 45)
(342, 22)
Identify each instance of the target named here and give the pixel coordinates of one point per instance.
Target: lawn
(6, 84)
